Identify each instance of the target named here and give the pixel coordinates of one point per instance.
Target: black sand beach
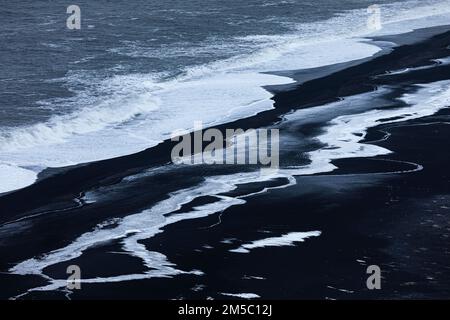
(370, 211)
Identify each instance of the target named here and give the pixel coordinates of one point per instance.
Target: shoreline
(49, 180)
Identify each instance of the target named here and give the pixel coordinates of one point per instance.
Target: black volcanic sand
(400, 222)
(367, 213)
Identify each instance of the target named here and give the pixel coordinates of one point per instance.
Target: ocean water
(137, 71)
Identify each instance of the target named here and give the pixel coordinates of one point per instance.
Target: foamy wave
(128, 124)
(89, 119)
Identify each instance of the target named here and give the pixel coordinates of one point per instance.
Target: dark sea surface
(48, 69)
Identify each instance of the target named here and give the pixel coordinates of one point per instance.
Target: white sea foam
(126, 114)
(89, 119)
(100, 133)
(13, 177)
(288, 239)
(443, 61)
(241, 295)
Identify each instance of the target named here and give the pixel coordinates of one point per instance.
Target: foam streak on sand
(241, 295)
(144, 225)
(344, 136)
(288, 239)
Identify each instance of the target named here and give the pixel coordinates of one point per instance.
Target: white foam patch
(241, 295)
(288, 239)
(443, 61)
(127, 114)
(13, 178)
